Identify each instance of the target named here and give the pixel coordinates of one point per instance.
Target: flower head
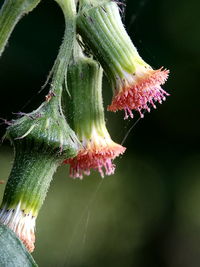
(136, 86)
(140, 92)
(96, 153)
(97, 149)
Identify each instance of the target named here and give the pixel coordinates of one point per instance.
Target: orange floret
(97, 156)
(140, 93)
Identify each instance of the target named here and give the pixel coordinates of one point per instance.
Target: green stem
(60, 67)
(10, 13)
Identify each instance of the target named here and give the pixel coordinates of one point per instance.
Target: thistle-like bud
(136, 86)
(87, 120)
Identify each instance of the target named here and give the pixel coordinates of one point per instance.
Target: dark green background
(148, 213)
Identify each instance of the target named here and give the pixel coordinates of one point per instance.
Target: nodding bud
(98, 150)
(136, 86)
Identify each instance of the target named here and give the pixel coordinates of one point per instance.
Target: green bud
(87, 119)
(136, 86)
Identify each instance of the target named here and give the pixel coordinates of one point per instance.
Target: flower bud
(136, 86)
(98, 150)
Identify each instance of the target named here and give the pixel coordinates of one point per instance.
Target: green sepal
(85, 4)
(29, 179)
(100, 25)
(44, 130)
(12, 252)
(86, 106)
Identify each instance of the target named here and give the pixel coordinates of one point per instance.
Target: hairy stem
(10, 13)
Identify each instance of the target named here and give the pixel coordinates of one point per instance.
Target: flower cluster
(136, 86)
(73, 131)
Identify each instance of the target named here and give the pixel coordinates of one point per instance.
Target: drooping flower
(136, 86)
(97, 153)
(140, 92)
(98, 150)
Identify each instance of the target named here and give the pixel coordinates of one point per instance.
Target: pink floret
(97, 158)
(141, 95)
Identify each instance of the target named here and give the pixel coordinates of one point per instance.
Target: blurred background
(148, 213)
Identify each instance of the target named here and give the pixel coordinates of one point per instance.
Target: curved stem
(60, 67)
(10, 13)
